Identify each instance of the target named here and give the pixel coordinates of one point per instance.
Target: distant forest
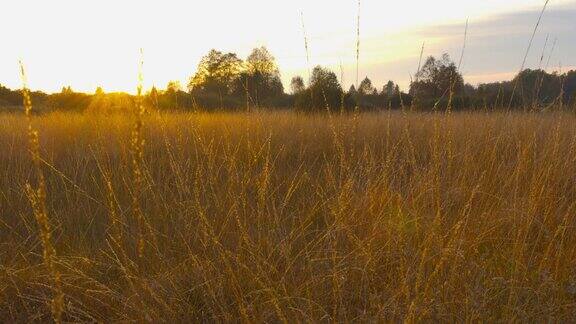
(223, 81)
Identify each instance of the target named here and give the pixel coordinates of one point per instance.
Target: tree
(173, 86)
(66, 90)
(261, 61)
(569, 87)
(67, 99)
(297, 85)
(366, 87)
(261, 77)
(153, 97)
(536, 87)
(173, 89)
(324, 90)
(436, 80)
(324, 80)
(352, 91)
(388, 89)
(216, 73)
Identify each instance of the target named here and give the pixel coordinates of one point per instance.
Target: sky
(85, 44)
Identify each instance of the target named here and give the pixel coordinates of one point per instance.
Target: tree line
(223, 81)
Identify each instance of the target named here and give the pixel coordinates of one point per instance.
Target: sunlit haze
(86, 44)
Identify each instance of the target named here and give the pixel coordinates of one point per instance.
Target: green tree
(261, 77)
(173, 89)
(173, 86)
(67, 90)
(261, 61)
(324, 80)
(389, 89)
(152, 98)
(366, 87)
(352, 91)
(324, 91)
(297, 85)
(436, 80)
(216, 73)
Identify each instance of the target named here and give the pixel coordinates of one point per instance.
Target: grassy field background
(290, 217)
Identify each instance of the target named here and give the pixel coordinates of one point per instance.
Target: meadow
(288, 217)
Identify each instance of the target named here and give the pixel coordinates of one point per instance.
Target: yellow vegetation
(287, 217)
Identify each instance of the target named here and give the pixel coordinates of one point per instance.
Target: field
(286, 217)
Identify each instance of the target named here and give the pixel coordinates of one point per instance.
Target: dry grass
(286, 217)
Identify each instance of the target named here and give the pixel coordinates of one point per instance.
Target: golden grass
(37, 197)
(287, 217)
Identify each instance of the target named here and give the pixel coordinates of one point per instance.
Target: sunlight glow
(90, 44)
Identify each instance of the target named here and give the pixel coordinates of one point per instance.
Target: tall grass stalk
(281, 222)
(343, 94)
(539, 84)
(515, 86)
(307, 50)
(137, 143)
(535, 100)
(37, 197)
(458, 69)
(414, 102)
(357, 108)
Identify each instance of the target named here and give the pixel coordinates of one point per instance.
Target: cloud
(496, 45)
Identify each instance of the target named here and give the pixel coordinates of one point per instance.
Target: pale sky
(87, 44)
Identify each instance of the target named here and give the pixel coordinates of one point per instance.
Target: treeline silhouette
(223, 81)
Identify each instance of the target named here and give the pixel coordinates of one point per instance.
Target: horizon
(102, 49)
(297, 161)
